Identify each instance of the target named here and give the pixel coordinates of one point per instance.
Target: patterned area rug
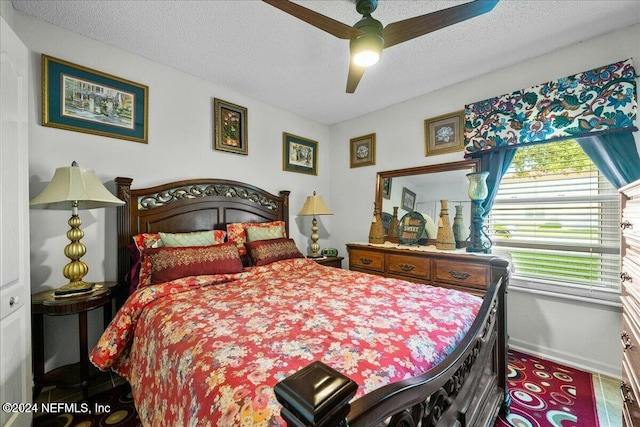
(543, 394)
(547, 394)
(120, 413)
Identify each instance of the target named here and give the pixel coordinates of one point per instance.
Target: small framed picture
(230, 127)
(408, 199)
(444, 134)
(363, 150)
(386, 188)
(299, 154)
(80, 99)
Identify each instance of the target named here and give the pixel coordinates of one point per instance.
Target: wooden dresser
(630, 280)
(472, 273)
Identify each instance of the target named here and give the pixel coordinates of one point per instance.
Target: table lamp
(314, 205)
(74, 188)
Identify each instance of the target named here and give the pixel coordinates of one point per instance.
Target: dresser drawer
(630, 340)
(630, 404)
(458, 273)
(368, 260)
(408, 265)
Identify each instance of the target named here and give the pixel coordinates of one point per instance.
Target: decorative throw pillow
(197, 238)
(236, 232)
(147, 240)
(141, 242)
(263, 233)
(264, 252)
(170, 263)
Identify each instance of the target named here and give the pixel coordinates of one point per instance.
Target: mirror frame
(473, 165)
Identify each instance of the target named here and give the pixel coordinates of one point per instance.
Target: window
(558, 218)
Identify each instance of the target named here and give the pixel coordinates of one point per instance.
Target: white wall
(548, 326)
(180, 146)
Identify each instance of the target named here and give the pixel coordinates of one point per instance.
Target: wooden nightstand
(330, 261)
(77, 374)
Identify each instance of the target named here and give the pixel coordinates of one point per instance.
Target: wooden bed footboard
(468, 388)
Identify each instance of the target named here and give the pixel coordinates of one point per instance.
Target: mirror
(420, 189)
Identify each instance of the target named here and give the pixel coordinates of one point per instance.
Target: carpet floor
(547, 394)
(543, 394)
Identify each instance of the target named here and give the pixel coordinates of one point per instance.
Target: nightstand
(77, 374)
(330, 261)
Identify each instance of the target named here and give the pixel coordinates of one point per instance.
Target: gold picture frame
(444, 134)
(81, 99)
(230, 127)
(299, 154)
(363, 150)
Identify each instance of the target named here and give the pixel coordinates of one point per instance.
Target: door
(15, 287)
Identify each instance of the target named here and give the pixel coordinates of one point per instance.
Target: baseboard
(573, 360)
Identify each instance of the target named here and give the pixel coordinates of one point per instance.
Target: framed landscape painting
(444, 134)
(299, 154)
(80, 99)
(230, 127)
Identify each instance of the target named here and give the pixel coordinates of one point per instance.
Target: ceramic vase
(445, 239)
(459, 232)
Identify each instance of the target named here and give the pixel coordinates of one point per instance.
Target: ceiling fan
(368, 37)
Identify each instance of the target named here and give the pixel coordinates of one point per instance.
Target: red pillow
(170, 263)
(264, 252)
(236, 231)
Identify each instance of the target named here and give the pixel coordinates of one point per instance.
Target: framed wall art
(444, 134)
(386, 188)
(230, 127)
(408, 199)
(299, 154)
(80, 99)
(363, 150)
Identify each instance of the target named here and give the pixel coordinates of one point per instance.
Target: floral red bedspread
(208, 350)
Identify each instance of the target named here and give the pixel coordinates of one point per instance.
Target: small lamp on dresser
(314, 205)
(74, 188)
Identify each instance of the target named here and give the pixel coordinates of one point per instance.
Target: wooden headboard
(191, 205)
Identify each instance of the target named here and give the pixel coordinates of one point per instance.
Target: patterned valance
(595, 101)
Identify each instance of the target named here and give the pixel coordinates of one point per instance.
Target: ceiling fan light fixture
(366, 49)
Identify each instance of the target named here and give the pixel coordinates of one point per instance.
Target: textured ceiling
(257, 50)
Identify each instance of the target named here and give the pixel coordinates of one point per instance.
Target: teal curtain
(601, 100)
(615, 155)
(496, 163)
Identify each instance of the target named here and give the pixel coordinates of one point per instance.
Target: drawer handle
(626, 340)
(13, 301)
(624, 277)
(406, 267)
(626, 224)
(366, 261)
(459, 275)
(627, 395)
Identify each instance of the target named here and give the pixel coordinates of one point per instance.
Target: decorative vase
(376, 231)
(458, 228)
(393, 226)
(445, 239)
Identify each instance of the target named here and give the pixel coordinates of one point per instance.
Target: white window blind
(558, 218)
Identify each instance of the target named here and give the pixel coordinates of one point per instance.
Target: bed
(282, 340)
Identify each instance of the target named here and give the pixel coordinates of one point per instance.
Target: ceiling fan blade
(330, 25)
(355, 74)
(411, 28)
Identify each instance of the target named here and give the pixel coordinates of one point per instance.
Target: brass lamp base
(74, 288)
